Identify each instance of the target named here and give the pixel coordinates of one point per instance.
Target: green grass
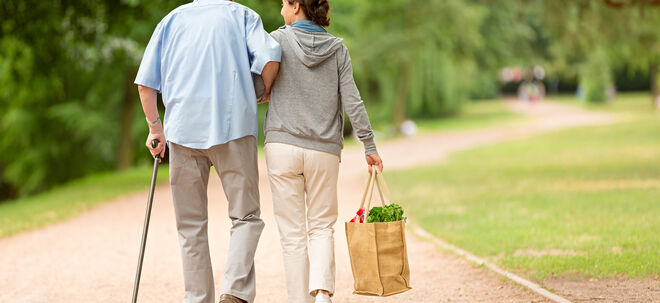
(479, 114)
(579, 202)
(627, 103)
(73, 198)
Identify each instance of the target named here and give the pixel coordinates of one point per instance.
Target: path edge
(480, 261)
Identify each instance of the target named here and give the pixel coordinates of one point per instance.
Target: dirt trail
(92, 257)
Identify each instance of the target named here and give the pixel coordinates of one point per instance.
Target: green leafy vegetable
(389, 213)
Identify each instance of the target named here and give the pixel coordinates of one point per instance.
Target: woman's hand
(268, 74)
(374, 159)
(265, 98)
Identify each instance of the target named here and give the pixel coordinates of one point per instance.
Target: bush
(595, 80)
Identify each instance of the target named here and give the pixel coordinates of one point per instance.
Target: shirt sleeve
(262, 48)
(353, 104)
(149, 72)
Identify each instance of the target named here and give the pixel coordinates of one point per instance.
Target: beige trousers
(236, 165)
(304, 186)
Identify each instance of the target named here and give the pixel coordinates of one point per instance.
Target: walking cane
(154, 144)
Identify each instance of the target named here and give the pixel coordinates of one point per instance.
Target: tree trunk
(654, 84)
(126, 149)
(7, 191)
(401, 98)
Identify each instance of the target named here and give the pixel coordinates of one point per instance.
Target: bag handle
(382, 185)
(368, 190)
(380, 190)
(377, 178)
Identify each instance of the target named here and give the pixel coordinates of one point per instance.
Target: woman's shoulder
(278, 33)
(342, 51)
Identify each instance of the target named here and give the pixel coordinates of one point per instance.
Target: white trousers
(304, 186)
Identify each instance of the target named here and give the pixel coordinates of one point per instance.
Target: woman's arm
(268, 75)
(354, 106)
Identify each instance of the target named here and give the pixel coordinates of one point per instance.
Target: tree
(67, 99)
(414, 56)
(595, 36)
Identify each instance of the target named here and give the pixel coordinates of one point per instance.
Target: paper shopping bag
(379, 259)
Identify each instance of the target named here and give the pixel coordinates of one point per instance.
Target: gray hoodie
(313, 88)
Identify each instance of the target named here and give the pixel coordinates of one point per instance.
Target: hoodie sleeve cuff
(369, 146)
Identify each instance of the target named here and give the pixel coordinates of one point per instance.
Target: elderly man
(200, 57)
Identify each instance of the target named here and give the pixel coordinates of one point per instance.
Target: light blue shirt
(200, 58)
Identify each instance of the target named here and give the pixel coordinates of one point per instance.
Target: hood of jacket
(311, 48)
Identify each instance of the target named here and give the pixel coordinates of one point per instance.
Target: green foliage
(595, 79)
(65, 69)
(483, 86)
(269, 12)
(414, 53)
(589, 39)
(388, 213)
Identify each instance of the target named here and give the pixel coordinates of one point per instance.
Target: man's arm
(149, 99)
(265, 53)
(268, 74)
(149, 83)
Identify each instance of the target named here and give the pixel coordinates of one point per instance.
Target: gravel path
(92, 257)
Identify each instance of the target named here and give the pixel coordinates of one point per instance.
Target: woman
(304, 139)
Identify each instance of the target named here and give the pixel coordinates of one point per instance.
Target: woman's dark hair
(316, 10)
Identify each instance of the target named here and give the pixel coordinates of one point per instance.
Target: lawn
(73, 198)
(579, 202)
(478, 114)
